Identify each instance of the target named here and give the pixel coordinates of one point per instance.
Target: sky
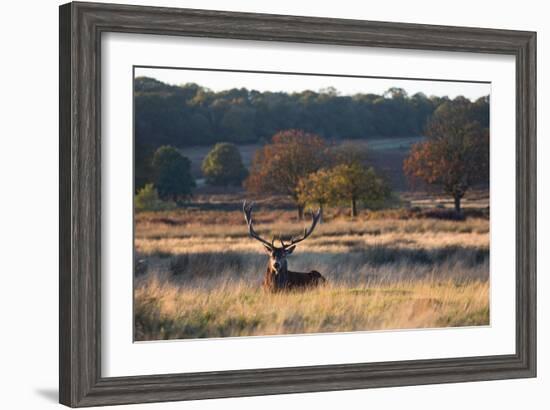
(223, 80)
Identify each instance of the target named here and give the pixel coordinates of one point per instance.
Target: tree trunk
(300, 212)
(353, 208)
(321, 213)
(458, 209)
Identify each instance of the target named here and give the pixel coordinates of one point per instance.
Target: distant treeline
(189, 114)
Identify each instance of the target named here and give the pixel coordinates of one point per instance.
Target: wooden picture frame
(81, 27)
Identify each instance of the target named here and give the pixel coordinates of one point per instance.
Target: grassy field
(199, 275)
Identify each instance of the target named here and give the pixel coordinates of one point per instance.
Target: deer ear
(268, 249)
(288, 251)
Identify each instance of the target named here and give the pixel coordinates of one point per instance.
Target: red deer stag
(278, 277)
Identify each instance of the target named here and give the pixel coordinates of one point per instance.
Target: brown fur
(287, 280)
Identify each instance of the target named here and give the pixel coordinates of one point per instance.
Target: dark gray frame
(81, 26)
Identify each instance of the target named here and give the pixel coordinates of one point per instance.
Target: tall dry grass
(201, 274)
(165, 310)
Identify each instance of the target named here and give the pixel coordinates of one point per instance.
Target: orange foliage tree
(456, 153)
(278, 167)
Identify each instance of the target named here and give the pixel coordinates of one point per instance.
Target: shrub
(147, 199)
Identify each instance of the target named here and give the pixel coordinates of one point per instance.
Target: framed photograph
(259, 204)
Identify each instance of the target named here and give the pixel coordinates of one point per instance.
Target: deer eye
(288, 251)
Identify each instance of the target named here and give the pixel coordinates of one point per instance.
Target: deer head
(278, 254)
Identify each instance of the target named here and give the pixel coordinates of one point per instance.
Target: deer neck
(277, 278)
(282, 271)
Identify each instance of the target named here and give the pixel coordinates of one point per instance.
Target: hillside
(385, 154)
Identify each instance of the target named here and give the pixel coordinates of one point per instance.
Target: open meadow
(198, 273)
(400, 175)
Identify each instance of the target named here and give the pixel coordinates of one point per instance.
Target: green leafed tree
(172, 173)
(353, 183)
(143, 174)
(223, 165)
(316, 189)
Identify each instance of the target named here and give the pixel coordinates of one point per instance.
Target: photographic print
(295, 203)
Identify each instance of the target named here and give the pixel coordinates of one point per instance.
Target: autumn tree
(172, 173)
(278, 167)
(223, 165)
(456, 153)
(316, 189)
(353, 182)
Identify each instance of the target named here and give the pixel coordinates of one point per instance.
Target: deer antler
(247, 209)
(315, 218)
